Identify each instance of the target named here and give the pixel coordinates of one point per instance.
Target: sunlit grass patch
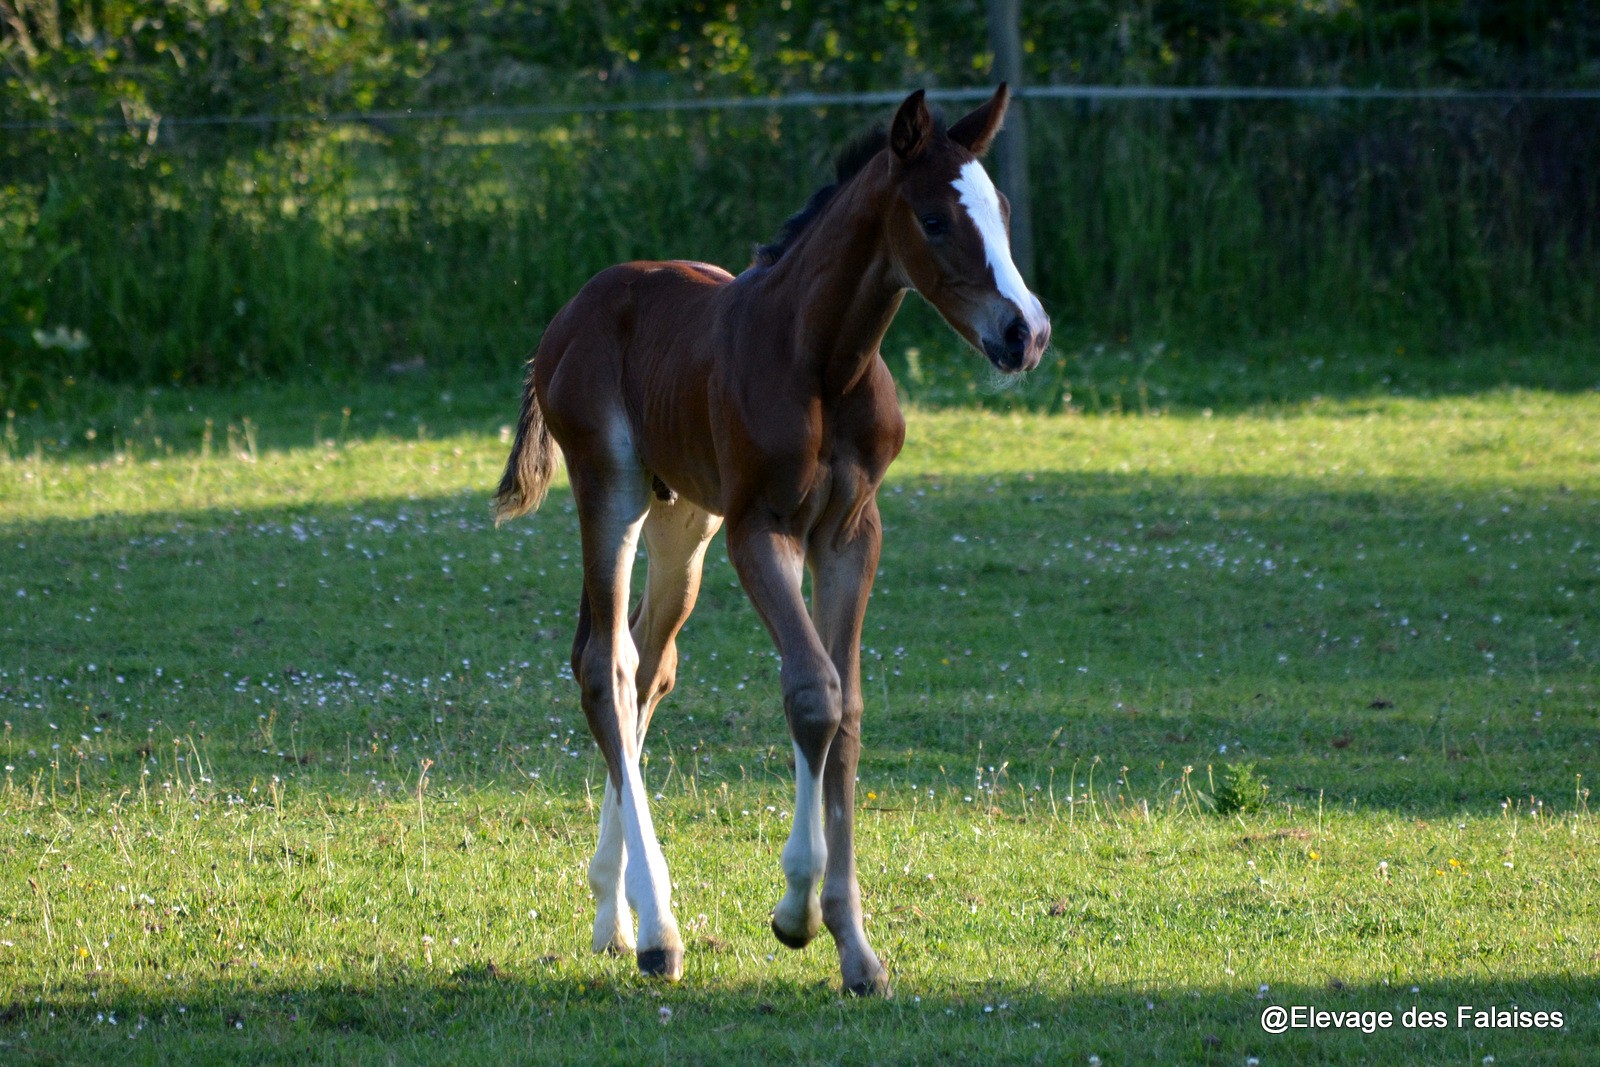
(227, 660)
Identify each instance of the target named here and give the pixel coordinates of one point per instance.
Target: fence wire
(822, 100)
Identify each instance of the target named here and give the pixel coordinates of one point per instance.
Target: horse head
(949, 232)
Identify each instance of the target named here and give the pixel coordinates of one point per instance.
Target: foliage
(142, 61)
(31, 248)
(1461, 43)
(138, 59)
(163, 252)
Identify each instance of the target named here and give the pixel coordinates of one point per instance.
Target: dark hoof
(788, 940)
(661, 963)
(876, 986)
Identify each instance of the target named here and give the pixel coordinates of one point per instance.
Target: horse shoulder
(769, 448)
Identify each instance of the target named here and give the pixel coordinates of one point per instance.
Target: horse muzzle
(1018, 347)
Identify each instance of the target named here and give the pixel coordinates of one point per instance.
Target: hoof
(661, 963)
(614, 948)
(788, 940)
(876, 986)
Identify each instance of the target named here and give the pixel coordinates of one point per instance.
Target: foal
(684, 398)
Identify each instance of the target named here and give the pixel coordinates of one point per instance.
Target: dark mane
(856, 155)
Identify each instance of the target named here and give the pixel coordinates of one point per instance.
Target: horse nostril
(1017, 336)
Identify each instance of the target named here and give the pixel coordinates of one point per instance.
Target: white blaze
(982, 201)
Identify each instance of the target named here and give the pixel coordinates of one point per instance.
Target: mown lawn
(294, 770)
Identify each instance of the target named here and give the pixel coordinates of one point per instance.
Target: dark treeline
(140, 58)
(142, 248)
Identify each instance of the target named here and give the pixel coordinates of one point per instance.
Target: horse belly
(673, 429)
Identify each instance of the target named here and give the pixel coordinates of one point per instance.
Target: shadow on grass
(536, 1011)
(1287, 374)
(1424, 649)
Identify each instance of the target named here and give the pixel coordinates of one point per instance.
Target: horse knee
(814, 707)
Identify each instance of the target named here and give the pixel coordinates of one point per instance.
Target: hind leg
(613, 925)
(676, 536)
(612, 495)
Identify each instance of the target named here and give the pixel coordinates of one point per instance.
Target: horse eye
(932, 225)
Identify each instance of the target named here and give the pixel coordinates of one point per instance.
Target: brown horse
(683, 398)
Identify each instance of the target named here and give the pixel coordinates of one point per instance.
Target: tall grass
(339, 251)
(1442, 224)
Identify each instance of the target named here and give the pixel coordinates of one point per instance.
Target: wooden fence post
(1011, 149)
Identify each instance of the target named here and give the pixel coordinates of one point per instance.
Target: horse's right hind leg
(613, 925)
(676, 536)
(612, 495)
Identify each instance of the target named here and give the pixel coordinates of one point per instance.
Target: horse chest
(832, 479)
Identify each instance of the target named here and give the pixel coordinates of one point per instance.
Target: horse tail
(532, 462)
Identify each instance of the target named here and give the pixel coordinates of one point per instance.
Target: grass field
(1223, 687)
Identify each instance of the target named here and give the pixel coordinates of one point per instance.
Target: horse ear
(912, 125)
(975, 131)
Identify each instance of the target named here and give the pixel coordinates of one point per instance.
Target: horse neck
(845, 285)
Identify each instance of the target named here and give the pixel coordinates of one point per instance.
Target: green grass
(227, 656)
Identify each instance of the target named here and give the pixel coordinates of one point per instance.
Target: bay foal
(683, 399)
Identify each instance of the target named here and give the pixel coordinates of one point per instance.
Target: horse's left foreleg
(843, 564)
(771, 562)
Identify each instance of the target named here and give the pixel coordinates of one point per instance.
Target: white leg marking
(649, 889)
(982, 201)
(644, 870)
(613, 925)
(805, 855)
